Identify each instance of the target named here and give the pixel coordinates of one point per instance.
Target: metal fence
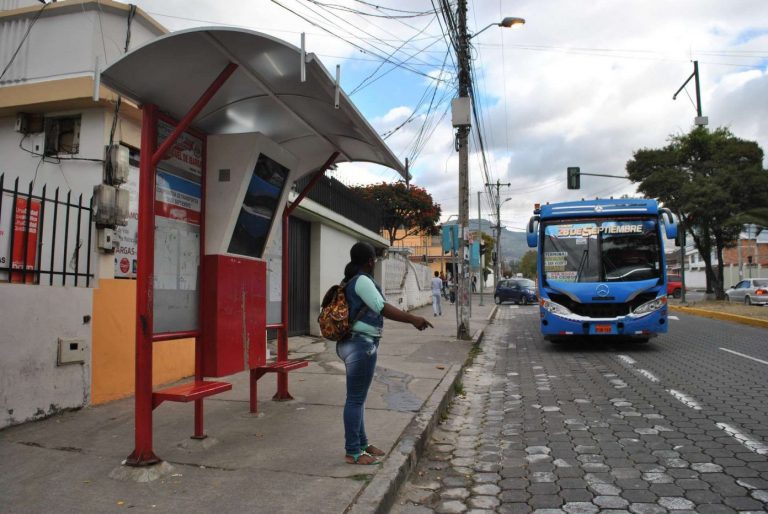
(44, 240)
(334, 195)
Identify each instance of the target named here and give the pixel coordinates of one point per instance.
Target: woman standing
(359, 349)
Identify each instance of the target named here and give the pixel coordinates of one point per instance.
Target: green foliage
(527, 264)
(490, 247)
(708, 179)
(406, 207)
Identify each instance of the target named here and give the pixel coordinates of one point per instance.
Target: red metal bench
(189, 392)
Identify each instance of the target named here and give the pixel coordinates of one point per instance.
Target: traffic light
(574, 178)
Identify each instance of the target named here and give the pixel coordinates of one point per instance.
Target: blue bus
(601, 267)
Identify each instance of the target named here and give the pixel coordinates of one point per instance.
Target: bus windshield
(600, 250)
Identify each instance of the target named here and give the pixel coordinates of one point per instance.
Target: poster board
(178, 214)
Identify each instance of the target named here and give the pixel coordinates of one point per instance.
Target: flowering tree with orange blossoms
(406, 209)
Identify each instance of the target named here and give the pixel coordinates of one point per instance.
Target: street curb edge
(745, 320)
(379, 496)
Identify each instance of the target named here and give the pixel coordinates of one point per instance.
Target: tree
(707, 179)
(406, 209)
(528, 264)
(490, 246)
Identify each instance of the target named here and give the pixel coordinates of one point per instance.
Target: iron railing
(334, 195)
(51, 248)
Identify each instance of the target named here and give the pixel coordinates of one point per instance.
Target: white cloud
(581, 84)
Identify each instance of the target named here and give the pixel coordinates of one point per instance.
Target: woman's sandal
(376, 452)
(362, 458)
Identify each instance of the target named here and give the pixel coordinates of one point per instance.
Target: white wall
(32, 386)
(77, 175)
(66, 40)
(329, 249)
(406, 284)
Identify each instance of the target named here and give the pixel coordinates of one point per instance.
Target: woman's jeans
(359, 353)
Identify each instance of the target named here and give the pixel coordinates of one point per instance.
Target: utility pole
(497, 264)
(462, 137)
(480, 235)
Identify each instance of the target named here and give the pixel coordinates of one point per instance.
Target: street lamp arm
(506, 22)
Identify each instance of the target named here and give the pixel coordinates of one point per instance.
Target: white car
(752, 291)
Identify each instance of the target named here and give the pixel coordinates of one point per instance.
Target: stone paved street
(675, 425)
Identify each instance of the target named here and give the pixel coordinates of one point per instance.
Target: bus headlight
(554, 308)
(651, 306)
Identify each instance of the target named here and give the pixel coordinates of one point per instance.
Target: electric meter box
(461, 111)
(104, 204)
(247, 180)
(117, 155)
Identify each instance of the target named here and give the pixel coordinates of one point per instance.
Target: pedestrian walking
(445, 285)
(437, 291)
(359, 349)
(474, 283)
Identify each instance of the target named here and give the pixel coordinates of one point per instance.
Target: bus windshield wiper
(583, 262)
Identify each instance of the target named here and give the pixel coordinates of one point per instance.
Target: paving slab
(286, 458)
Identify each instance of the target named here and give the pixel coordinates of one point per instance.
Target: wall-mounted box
(71, 351)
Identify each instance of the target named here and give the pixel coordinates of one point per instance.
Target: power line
(364, 50)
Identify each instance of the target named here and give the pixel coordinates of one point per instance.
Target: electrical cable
(364, 50)
(355, 27)
(363, 84)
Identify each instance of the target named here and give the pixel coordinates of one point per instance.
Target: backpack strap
(360, 313)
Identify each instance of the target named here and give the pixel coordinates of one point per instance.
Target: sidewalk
(288, 458)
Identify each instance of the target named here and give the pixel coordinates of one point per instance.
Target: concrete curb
(379, 495)
(724, 316)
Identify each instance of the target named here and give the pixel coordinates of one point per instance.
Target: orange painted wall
(113, 347)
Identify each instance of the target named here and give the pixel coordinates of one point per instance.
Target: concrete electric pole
(462, 140)
(497, 264)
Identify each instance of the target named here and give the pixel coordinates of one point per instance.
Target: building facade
(67, 297)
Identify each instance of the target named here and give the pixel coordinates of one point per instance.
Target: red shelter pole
(143, 454)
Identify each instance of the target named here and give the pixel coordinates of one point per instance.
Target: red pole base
(142, 459)
(254, 392)
(282, 397)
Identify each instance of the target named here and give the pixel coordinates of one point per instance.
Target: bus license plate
(603, 329)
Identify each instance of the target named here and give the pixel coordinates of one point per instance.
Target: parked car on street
(674, 286)
(518, 290)
(751, 291)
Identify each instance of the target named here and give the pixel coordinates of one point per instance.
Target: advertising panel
(178, 209)
(25, 232)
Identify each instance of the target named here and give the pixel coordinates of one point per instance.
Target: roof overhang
(265, 94)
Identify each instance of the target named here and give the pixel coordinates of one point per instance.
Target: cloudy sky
(582, 83)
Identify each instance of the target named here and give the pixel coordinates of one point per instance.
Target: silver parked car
(751, 291)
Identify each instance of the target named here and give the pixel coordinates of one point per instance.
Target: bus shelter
(230, 120)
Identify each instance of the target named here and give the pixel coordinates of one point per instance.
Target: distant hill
(513, 244)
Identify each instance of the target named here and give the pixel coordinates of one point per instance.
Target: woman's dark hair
(359, 255)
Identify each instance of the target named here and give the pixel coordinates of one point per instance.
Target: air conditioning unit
(27, 123)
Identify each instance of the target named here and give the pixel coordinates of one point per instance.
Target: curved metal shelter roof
(265, 94)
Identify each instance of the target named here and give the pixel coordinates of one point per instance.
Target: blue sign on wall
(450, 238)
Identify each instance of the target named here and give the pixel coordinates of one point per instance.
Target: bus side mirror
(532, 234)
(669, 224)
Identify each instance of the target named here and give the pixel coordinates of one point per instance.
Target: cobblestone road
(677, 425)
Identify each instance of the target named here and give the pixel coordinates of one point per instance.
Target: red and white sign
(25, 233)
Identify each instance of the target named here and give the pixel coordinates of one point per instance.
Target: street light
(461, 120)
(506, 22)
